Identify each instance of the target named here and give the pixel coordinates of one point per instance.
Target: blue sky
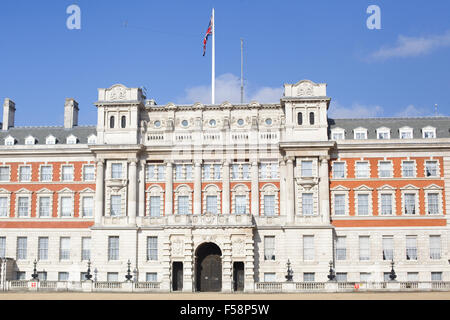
(401, 70)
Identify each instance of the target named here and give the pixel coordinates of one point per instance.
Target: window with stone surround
(337, 134)
(155, 201)
(151, 277)
(307, 169)
(363, 201)
(155, 172)
(409, 169)
(4, 203)
(50, 140)
(42, 248)
(67, 173)
(340, 201)
(4, 174)
(24, 173)
(432, 168)
(212, 172)
(113, 248)
(269, 248)
(85, 249)
(406, 133)
(388, 248)
(341, 248)
(360, 134)
(184, 172)
(64, 248)
(383, 133)
(308, 248)
(436, 276)
(435, 247)
(87, 206)
(89, 173)
(183, 200)
(211, 199)
(116, 171)
(21, 248)
(364, 248)
(23, 208)
(429, 133)
(339, 170)
(240, 171)
(269, 196)
(116, 206)
(44, 206)
(2, 247)
(46, 173)
(411, 247)
(362, 169)
(268, 171)
(240, 199)
(72, 140)
(385, 169)
(309, 277)
(152, 248)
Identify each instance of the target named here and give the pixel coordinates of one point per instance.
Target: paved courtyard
(219, 296)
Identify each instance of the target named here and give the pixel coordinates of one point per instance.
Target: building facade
(220, 197)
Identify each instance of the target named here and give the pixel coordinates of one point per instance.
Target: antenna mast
(436, 110)
(242, 71)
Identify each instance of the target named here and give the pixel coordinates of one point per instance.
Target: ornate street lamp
(290, 272)
(129, 276)
(88, 275)
(392, 275)
(35, 275)
(332, 275)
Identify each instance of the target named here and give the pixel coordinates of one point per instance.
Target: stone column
(132, 192)
(290, 191)
(283, 188)
(198, 188)
(226, 194)
(141, 208)
(99, 192)
(168, 201)
(324, 194)
(255, 189)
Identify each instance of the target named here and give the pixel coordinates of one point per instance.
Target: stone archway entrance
(208, 268)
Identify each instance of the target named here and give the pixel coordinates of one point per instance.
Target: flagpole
(213, 85)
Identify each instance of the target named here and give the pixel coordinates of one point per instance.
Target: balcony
(198, 221)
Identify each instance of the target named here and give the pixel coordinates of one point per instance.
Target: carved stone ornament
(117, 93)
(177, 247)
(305, 89)
(239, 247)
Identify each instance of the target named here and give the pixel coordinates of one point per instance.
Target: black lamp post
(290, 272)
(392, 275)
(88, 275)
(129, 276)
(332, 275)
(35, 275)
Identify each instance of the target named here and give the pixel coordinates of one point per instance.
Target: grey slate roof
(41, 134)
(442, 125)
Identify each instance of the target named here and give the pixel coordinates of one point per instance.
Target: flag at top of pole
(212, 32)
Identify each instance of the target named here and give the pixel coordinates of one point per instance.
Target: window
(339, 170)
(406, 134)
(4, 174)
(363, 204)
(116, 206)
(66, 206)
(30, 141)
(412, 276)
(364, 248)
(435, 247)
(309, 277)
(152, 248)
(155, 206)
(10, 141)
(341, 276)
(339, 204)
(409, 169)
(411, 247)
(23, 206)
(270, 277)
(85, 249)
(92, 139)
(207, 172)
(308, 248)
(72, 140)
(63, 276)
(183, 205)
(383, 134)
(88, 173)
(151, 172)
(388, 248)
(311, 118)
(3, 206)
(299, 118)
(42, 276)
(362, 170)
(42, 249)
(161, 173)
(178, 172)
(116, 171)
(112, 277)
(151, 277)
(123, 122)
(431, 168)
(113, 248)
(338, 135)
(51, 140)
(64, 249)
(83, 276)
(67, 173)
(21, 248)
(433, 203)
(269, 248)
(385, 169)
(386, 204)
(211, 204)
(341, 249)
(235, 171)
(307, 204)
(217, 171)
(364, 277)
(2, 247)
(246, 171)
(46, 173)
(241, 204)
(20, 275)
(112, 121)
(189, 175)
(386, 276)
(429, 133)
(307, 169)
(360, 134)
(88, 207)
(436, 276)
(25, 174)
(410, 203)
(269, 205)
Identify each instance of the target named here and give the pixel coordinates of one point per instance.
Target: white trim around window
(212, 190)
(429, 133)
(341, 192)
(62, 195)
(338, 162)
(408, 190)
(23, 193)
(434, 193)
(44, 193)
(155, 191)
(360, 134)
(269, 190)
(361, 193)
(383, 133)
(382, 209)
(5, 205)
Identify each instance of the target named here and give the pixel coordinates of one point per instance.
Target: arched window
(300, 118)
(124, 122)
(311, 118)
(112, 122)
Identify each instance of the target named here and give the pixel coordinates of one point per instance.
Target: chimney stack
(9, 110)
(70, 113)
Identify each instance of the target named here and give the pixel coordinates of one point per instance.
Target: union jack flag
(205, 39)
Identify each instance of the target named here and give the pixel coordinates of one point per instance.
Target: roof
(41, 134)
(442, 125)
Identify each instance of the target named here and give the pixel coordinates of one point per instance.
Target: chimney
(9, 109)
(70, 113)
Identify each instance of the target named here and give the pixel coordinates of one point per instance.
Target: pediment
(363, 188)
(386, 187)
(433, 187)
(23, 190)
(410, 187)
(4, 191)
(44, 190)
(87, 190)
(340, 188)
(66, 190)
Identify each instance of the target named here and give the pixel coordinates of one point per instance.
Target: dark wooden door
(238, 276)
(177, 276)
(211, 274)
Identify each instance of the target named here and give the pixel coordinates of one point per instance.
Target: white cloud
(357, 110)
(412, 46)
(412, 111)
(228, 88)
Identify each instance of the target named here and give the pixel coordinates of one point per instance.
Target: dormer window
(10, 141)
(51, 140)
(92, 139)
(360, 134)
(429, 133)
(30, 140)
(406, 133)
(72, 140)
(337, 134)
(383, 134)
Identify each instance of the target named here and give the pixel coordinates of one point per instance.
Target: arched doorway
(208, 268)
